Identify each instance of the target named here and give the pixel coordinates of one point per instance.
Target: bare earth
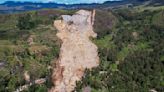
(77, 52)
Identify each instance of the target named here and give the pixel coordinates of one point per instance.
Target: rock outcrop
(77, 52)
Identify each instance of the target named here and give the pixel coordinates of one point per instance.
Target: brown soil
(77, 52)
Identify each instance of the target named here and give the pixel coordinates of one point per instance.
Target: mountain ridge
(13, 6)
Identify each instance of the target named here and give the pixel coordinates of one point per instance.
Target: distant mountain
(11, 6)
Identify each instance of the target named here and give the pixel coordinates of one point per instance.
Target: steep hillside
(130, 46)
(77, 52)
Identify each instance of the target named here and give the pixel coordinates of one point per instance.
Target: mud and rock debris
(77, 52)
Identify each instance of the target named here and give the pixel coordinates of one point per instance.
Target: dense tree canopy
(130, 44)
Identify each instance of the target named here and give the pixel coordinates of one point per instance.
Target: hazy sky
(64, 1)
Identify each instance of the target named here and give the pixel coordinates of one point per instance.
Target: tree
(158, 20)
(26, 22)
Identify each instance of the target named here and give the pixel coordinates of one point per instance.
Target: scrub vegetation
(130, 43)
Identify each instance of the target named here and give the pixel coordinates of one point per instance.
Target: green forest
(130, 44)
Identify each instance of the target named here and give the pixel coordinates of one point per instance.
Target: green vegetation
(131, 54)
(17, 55)
(158, 20)
(25, 22)
(130, 43)
(108, 20)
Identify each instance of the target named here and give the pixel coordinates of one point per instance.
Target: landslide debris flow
(77, 52)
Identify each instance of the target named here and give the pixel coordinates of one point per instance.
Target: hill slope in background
(130, 46)
(10, 6)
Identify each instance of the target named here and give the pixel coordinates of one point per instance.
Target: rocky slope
(77, 52)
